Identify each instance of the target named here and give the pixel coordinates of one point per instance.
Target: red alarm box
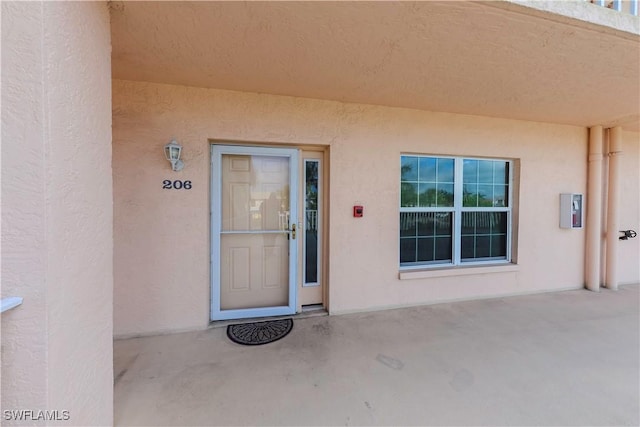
(358, 211)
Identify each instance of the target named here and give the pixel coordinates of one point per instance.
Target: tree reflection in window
(428, 209)
(426, 182)
(312, 217)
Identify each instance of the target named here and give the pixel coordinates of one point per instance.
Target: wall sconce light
(172, 152)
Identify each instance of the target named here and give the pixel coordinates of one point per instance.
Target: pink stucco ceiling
(462, 57)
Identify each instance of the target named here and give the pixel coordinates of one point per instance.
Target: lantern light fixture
(172, 152)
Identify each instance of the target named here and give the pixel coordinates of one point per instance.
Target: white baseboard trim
(154, 333)
(453, 300)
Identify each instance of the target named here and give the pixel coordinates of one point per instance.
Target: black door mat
(259, 333)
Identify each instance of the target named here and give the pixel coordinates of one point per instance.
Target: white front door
(253, 231)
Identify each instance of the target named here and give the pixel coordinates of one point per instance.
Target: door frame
(216, 219)
(313, 294)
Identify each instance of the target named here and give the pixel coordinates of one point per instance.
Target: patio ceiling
(490, 59)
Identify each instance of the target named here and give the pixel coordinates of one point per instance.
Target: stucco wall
(629, 252)
(161, 256)
(57, 244)
(24, 249)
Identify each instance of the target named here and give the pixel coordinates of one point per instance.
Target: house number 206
(167, 184)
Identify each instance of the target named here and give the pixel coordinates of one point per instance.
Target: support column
(613, 202)
(57, 221)
(594, 211)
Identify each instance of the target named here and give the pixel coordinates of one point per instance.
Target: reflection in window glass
(484, 235)
(429, 205)
(311, 220)
(409, 168)
(470, 171)
(486, 183)
(445, 170)
(428, 194)
(252, 204)
(500, 173)
(426, 182)
(425, 237)
(427, 169)
(409, 194)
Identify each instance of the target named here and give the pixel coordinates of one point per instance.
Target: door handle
(293, 231)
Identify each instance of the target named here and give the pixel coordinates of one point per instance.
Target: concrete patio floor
(567, 358)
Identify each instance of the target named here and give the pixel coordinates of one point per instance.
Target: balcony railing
(628, 6)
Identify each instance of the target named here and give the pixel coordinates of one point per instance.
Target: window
(311, 223)
(454, 211)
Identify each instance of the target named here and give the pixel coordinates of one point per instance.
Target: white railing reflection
(487, 220)
(283, 220)
(311, 220)
(628, 6)
(409, 220)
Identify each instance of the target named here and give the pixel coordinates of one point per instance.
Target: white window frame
(457, 210)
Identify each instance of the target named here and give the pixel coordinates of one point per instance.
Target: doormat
(259, 333)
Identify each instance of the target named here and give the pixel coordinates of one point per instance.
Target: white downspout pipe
(594, 210)
(613, 202)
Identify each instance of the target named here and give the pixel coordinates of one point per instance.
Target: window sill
(458, 271)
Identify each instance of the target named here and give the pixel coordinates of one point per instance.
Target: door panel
(253, 271)
(254, 254)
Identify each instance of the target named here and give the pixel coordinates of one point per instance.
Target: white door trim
(216, 220)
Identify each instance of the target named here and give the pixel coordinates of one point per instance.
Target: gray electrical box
(571, 212)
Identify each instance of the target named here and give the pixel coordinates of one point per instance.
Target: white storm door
(253, 231)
